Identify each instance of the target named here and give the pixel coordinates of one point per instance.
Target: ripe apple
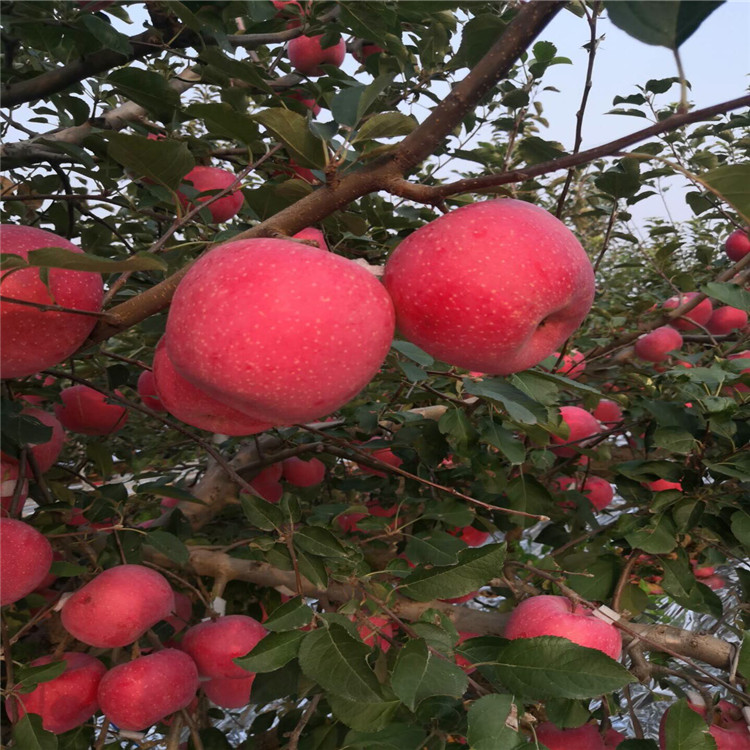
(213, 178)
(372, 630)
(193, 406)
(287, 8)
(118, 606)
(214, 644)
(495, 286)
(46, 453)
(714, 582)
(136, 695)
(741, 387)
(608, 412)
(656, 345)
(366, 50)
(67, 701)
(612, 739)
(737, 245)
(662, 485)
(226, 692)
(599, 491)
(586, 737)
(303, 98)
(573, 364)
(147, 391)
(582, 427)
(307, 56)
(462, 661)
(469, 535)
(556, 615)
(279, 331)
(182, 612)
(348, 521)
(32, 338)
(25, 557)
(87, 411)
(725, 319)
(699, 314)
(311, 233)
(728, 729)
(303, 473)
(386, 455)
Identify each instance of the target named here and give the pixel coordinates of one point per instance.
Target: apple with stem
(34, 339)
(25, 559)
(495, 286)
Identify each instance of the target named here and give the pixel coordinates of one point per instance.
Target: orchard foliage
(384, 546)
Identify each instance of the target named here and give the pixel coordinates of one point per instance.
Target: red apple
(662, 485)
(586, 737)
(556, 615)
(67, 701)
(287, 8)
(213, 178)
(700, 314)
(741, 387)
(371, 632)
(193, 406)
(32, 338)
(214, 644)
(728, 735)
(147, 391)
(226, 692)
(471, 536)
(495, 286)
(348, 521)
(278, 330)
(612, 738)
(311, 233)
(582, 427)
(25, 557)
(303, 98)
(715, 582)
(366, 50)
(608, 412)
(573, 364)
(136, 695)
(737, 244)
(725, 319)
(702, 571)
(46, 453)
(599, 491)
(87, 411)
(182, 612)
(118, 606)
(307, 56)
(462, 661)
(386, 455)
(656, 345)
(304, 473)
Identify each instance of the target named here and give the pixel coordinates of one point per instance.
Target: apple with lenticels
(737, 245)
(214, 179)
(228, 692)
(118, 606)
(474, 288)
(657, 345)
(700, 314)
(9, 478)
(725, 320)
(88, 412)
(34, 339)
(307, 55)
(25, 559)
(134, 696)
(557, 615)
(582, 428)
(311, 233)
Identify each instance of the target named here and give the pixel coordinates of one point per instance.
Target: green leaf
(165, 162)
(222, 121)
(412, 351)
(732, 183)
(318, 541)
(169, 545)
(232, 68)
(418, 674)
(338, 663)
(394, 737)
(105, 33)
(741, 527)
(674, 439)
(261, 513)
(456, 424)
(272, 652)
(29, 677)
(29, 734)
(666, 23)
(345, 105)
(148, 89)
(552, 667)
(686, 730)
(289, 616)
(535, 150)
(292, 130)
(60, 257)
(477, 36)
(474, 568)
(743, 665)
(385, 125)
(365, 716)
(504, 440)
(730, 294)
(487, 729)
(519, 406)
(656, 538)
(434, 548)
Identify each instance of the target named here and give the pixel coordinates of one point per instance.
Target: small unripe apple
(495, 286)
(46, 453)
(213, 178)
(134, 696)
(214, 644)
(147, 391)
(227, 692)
(556, 615)
(586, 737)
(725, 319)
(307, 56)
(279, 331)
(193, 406)
(35, 339)
(87, 411)
(608, 412)
(737, 245)
(25, 558)
(582, 427)
(656, 345)
(599, 491)
(700, 314)
(304, 473)
(118, 606)
(68, 700)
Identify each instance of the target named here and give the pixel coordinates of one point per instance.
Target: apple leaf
(272, 652)
(741, 527)
(419, 674)
(730, 294)
(163, 161)
(394, 737)
(315, 540)
(519, 406)
(261, 513)
(686, 730)
(222, 121)
(487, 729)
(474, 568)
(289, 616)
(169, 545)
(665, 23)
(477, 37)
(364, 716)
(147, 88)
(743, 664)
(434, 548)
(552, 667)
(656, 538)
(292, 130)
(732, 183)
(338, 662)
(385, 125)
(29, 734)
